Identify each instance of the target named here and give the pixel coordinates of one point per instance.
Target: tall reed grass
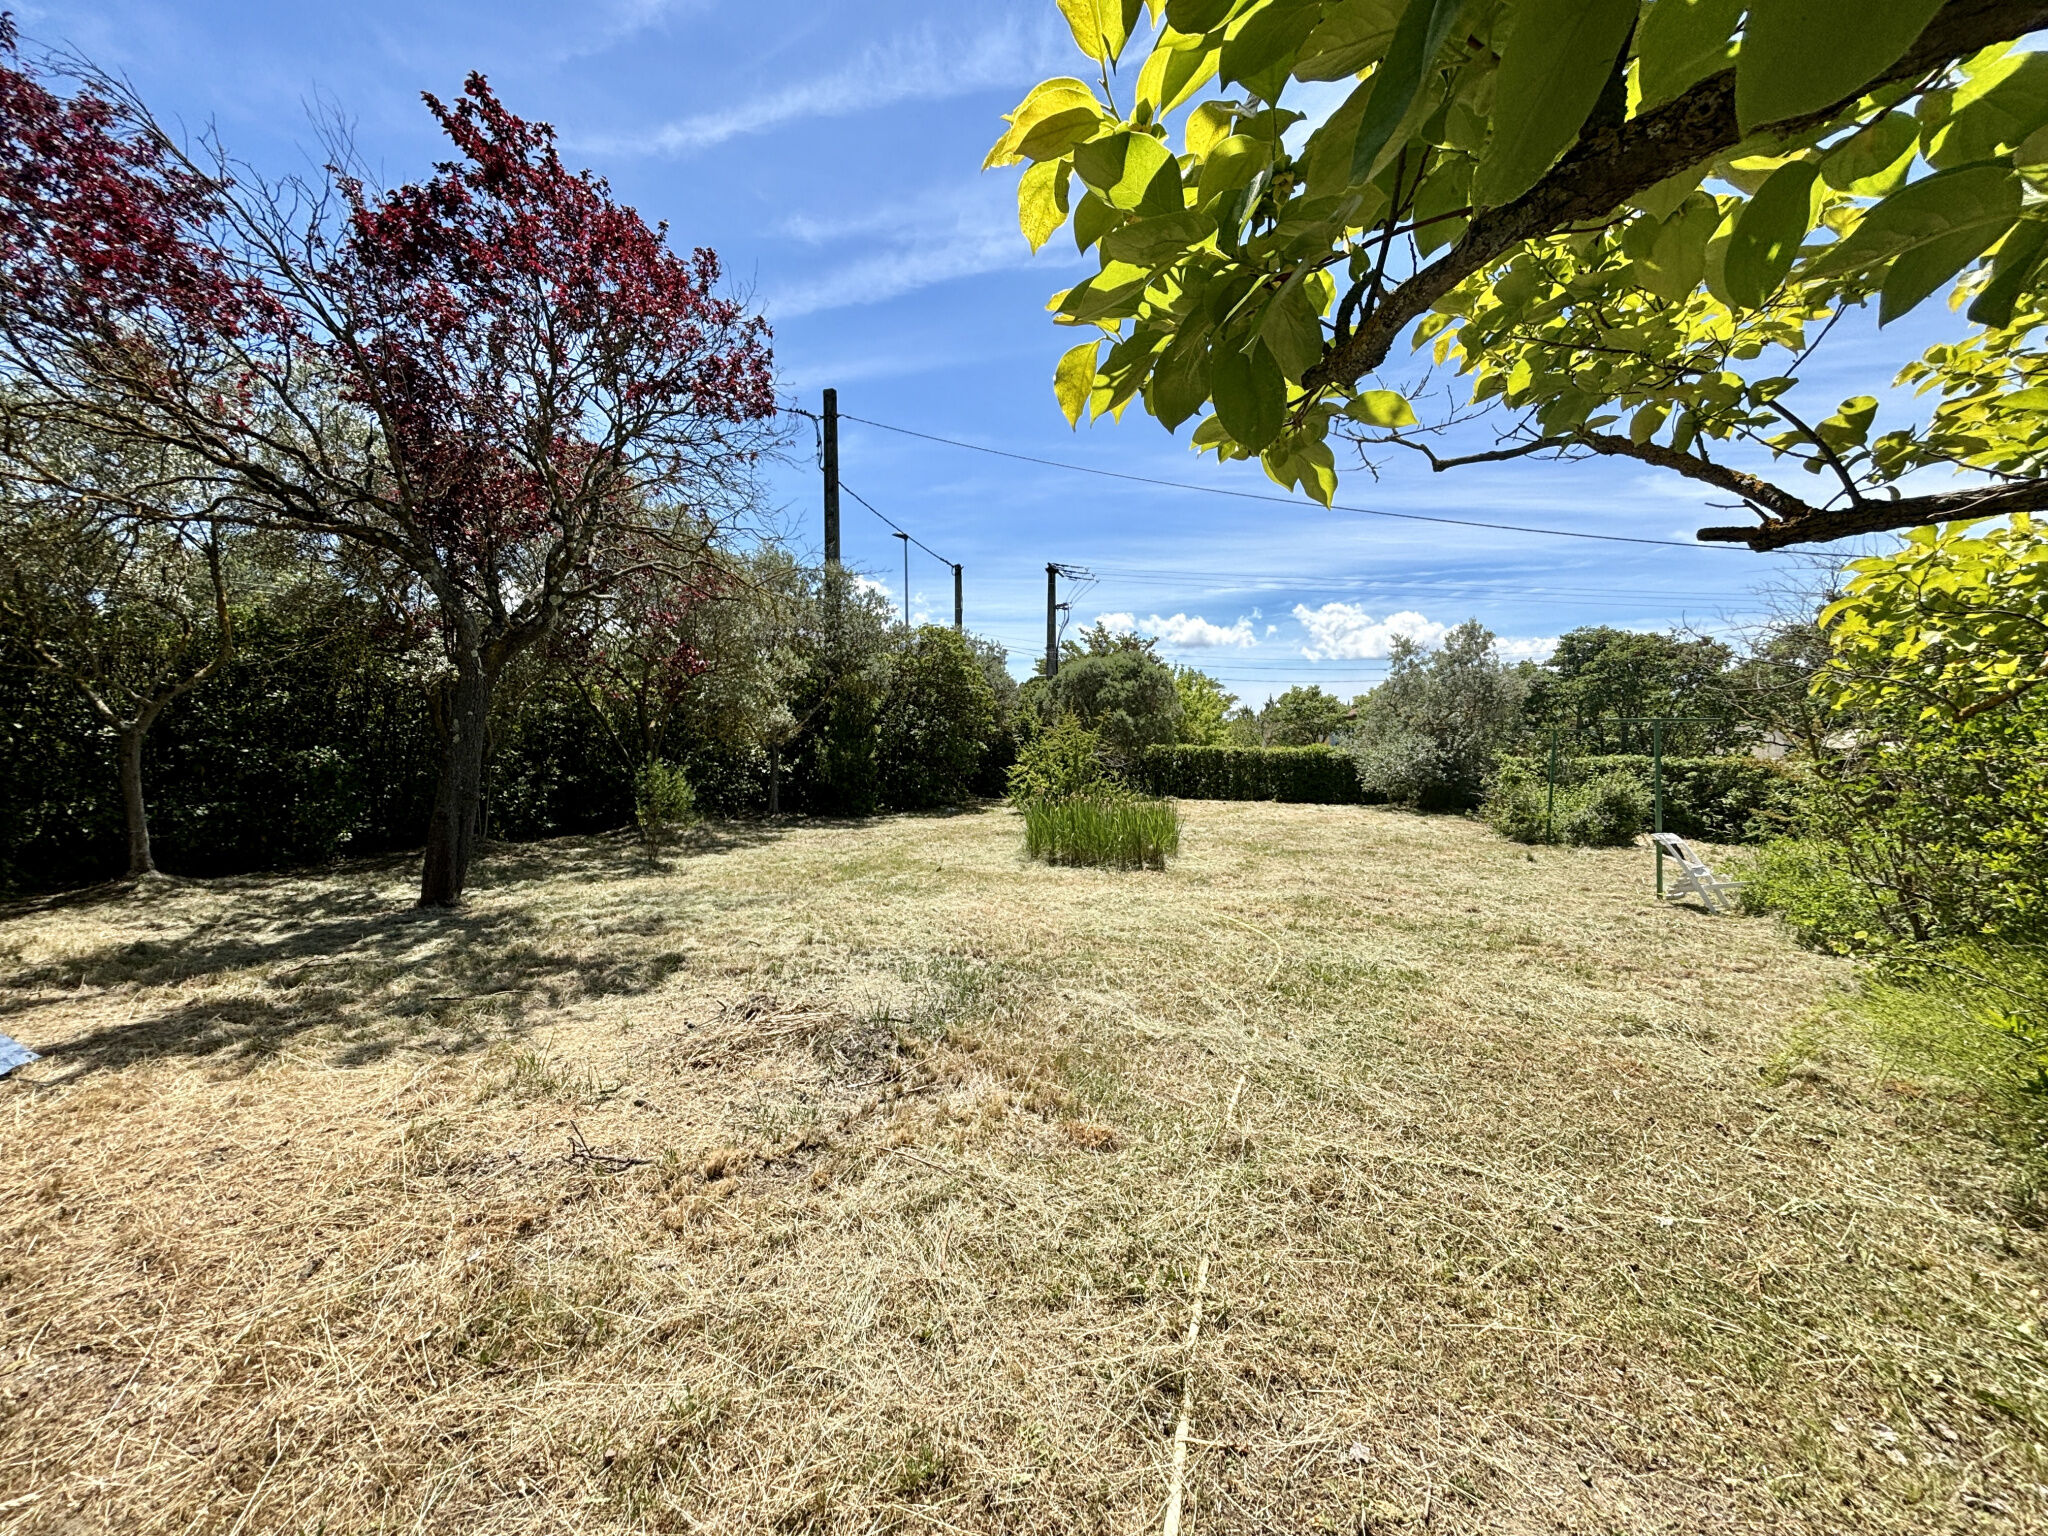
(1115, 831)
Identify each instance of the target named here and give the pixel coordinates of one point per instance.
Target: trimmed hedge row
(1733, 799)
(1316, 775)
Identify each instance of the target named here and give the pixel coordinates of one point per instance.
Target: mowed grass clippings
(855, 1177)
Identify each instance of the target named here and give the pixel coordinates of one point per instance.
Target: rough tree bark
(141, 856)
(451, 831)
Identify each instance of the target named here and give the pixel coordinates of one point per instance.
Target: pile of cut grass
(1104, 831)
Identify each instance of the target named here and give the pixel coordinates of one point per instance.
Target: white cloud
(958, 231)
(917, 66)
(1346, 632)
(1531, 648)
(1188, 630)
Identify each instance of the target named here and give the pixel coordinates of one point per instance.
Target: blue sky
(831, 154)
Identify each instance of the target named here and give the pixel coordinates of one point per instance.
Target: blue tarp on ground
(14, 1054)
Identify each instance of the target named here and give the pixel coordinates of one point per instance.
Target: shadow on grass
(334, 951)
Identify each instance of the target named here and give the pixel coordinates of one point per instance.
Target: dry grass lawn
(858, 1177)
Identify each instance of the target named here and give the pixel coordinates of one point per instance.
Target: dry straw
(859, 1177)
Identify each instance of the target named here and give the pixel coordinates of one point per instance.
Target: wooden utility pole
(1052, 620)
(831, 477)
(906, 578)
(959, 611)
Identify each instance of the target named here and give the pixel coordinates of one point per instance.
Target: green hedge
(1732, 799)
(1305, 775)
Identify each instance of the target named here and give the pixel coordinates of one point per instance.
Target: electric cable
(1287, 501)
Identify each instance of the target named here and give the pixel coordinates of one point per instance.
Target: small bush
(1605, 811)
(1116, 831)
(663, 801)
(1732, 799)
(1059, 763)
(1974, 1016)
(1314, 775)
(1810, 885)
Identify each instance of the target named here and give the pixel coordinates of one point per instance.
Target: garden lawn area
(858, 1176)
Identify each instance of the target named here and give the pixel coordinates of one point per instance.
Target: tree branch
(1767, 498)
(1814, 525)
(1610, 165)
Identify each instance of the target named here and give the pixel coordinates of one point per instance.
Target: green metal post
(1657, 780)
(1550, 803)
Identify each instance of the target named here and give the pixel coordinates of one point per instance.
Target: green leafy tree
(1125, 695)
(1429, 734)
(1203, 707)
(133, 614)
(1301, 717)
(1600, 679)
(935, 721)
(1953, 625)
(1931, 797)
(1629, 228)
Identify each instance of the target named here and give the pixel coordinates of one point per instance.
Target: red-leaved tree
(497, 392)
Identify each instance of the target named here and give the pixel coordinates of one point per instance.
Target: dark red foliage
(516, 328)
(101, 226)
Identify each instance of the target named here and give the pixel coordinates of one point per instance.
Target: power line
(901, 531)
(1287, 501)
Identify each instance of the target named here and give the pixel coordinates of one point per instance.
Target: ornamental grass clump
(1113, 830)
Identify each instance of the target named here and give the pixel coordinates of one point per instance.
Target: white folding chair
(1694, 878)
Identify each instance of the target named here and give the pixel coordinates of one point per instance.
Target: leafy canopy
(1625, 225)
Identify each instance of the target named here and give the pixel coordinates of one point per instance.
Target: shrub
(1733, 799)
(1117, 831)
(1604, 811)
(1811, 885)
(1975, 1016)
(1428, 735)
(1059, 763)
(1607, 811)
(1304, 775)
(663, 801)
(935, 722)
(1125, 696)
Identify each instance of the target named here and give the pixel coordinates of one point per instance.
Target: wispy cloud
(924, 65)
(960, 230)
(1184, 629)
(1346, 632)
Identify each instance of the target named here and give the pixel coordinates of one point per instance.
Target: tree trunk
(140, 860)
(451, 834)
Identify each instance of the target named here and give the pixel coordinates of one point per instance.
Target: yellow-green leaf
(1208, 125)
(1074, 380)
(1060, 106)
(1874, 159)
(1681, 42)
(1557, 56)
(1121, 166)
(1802, 55)
(1380, 408)
(1351, 35)
(1098, 27)
(1174, 73)
(1768, 232)
(1042, 200)
(1994, 111)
